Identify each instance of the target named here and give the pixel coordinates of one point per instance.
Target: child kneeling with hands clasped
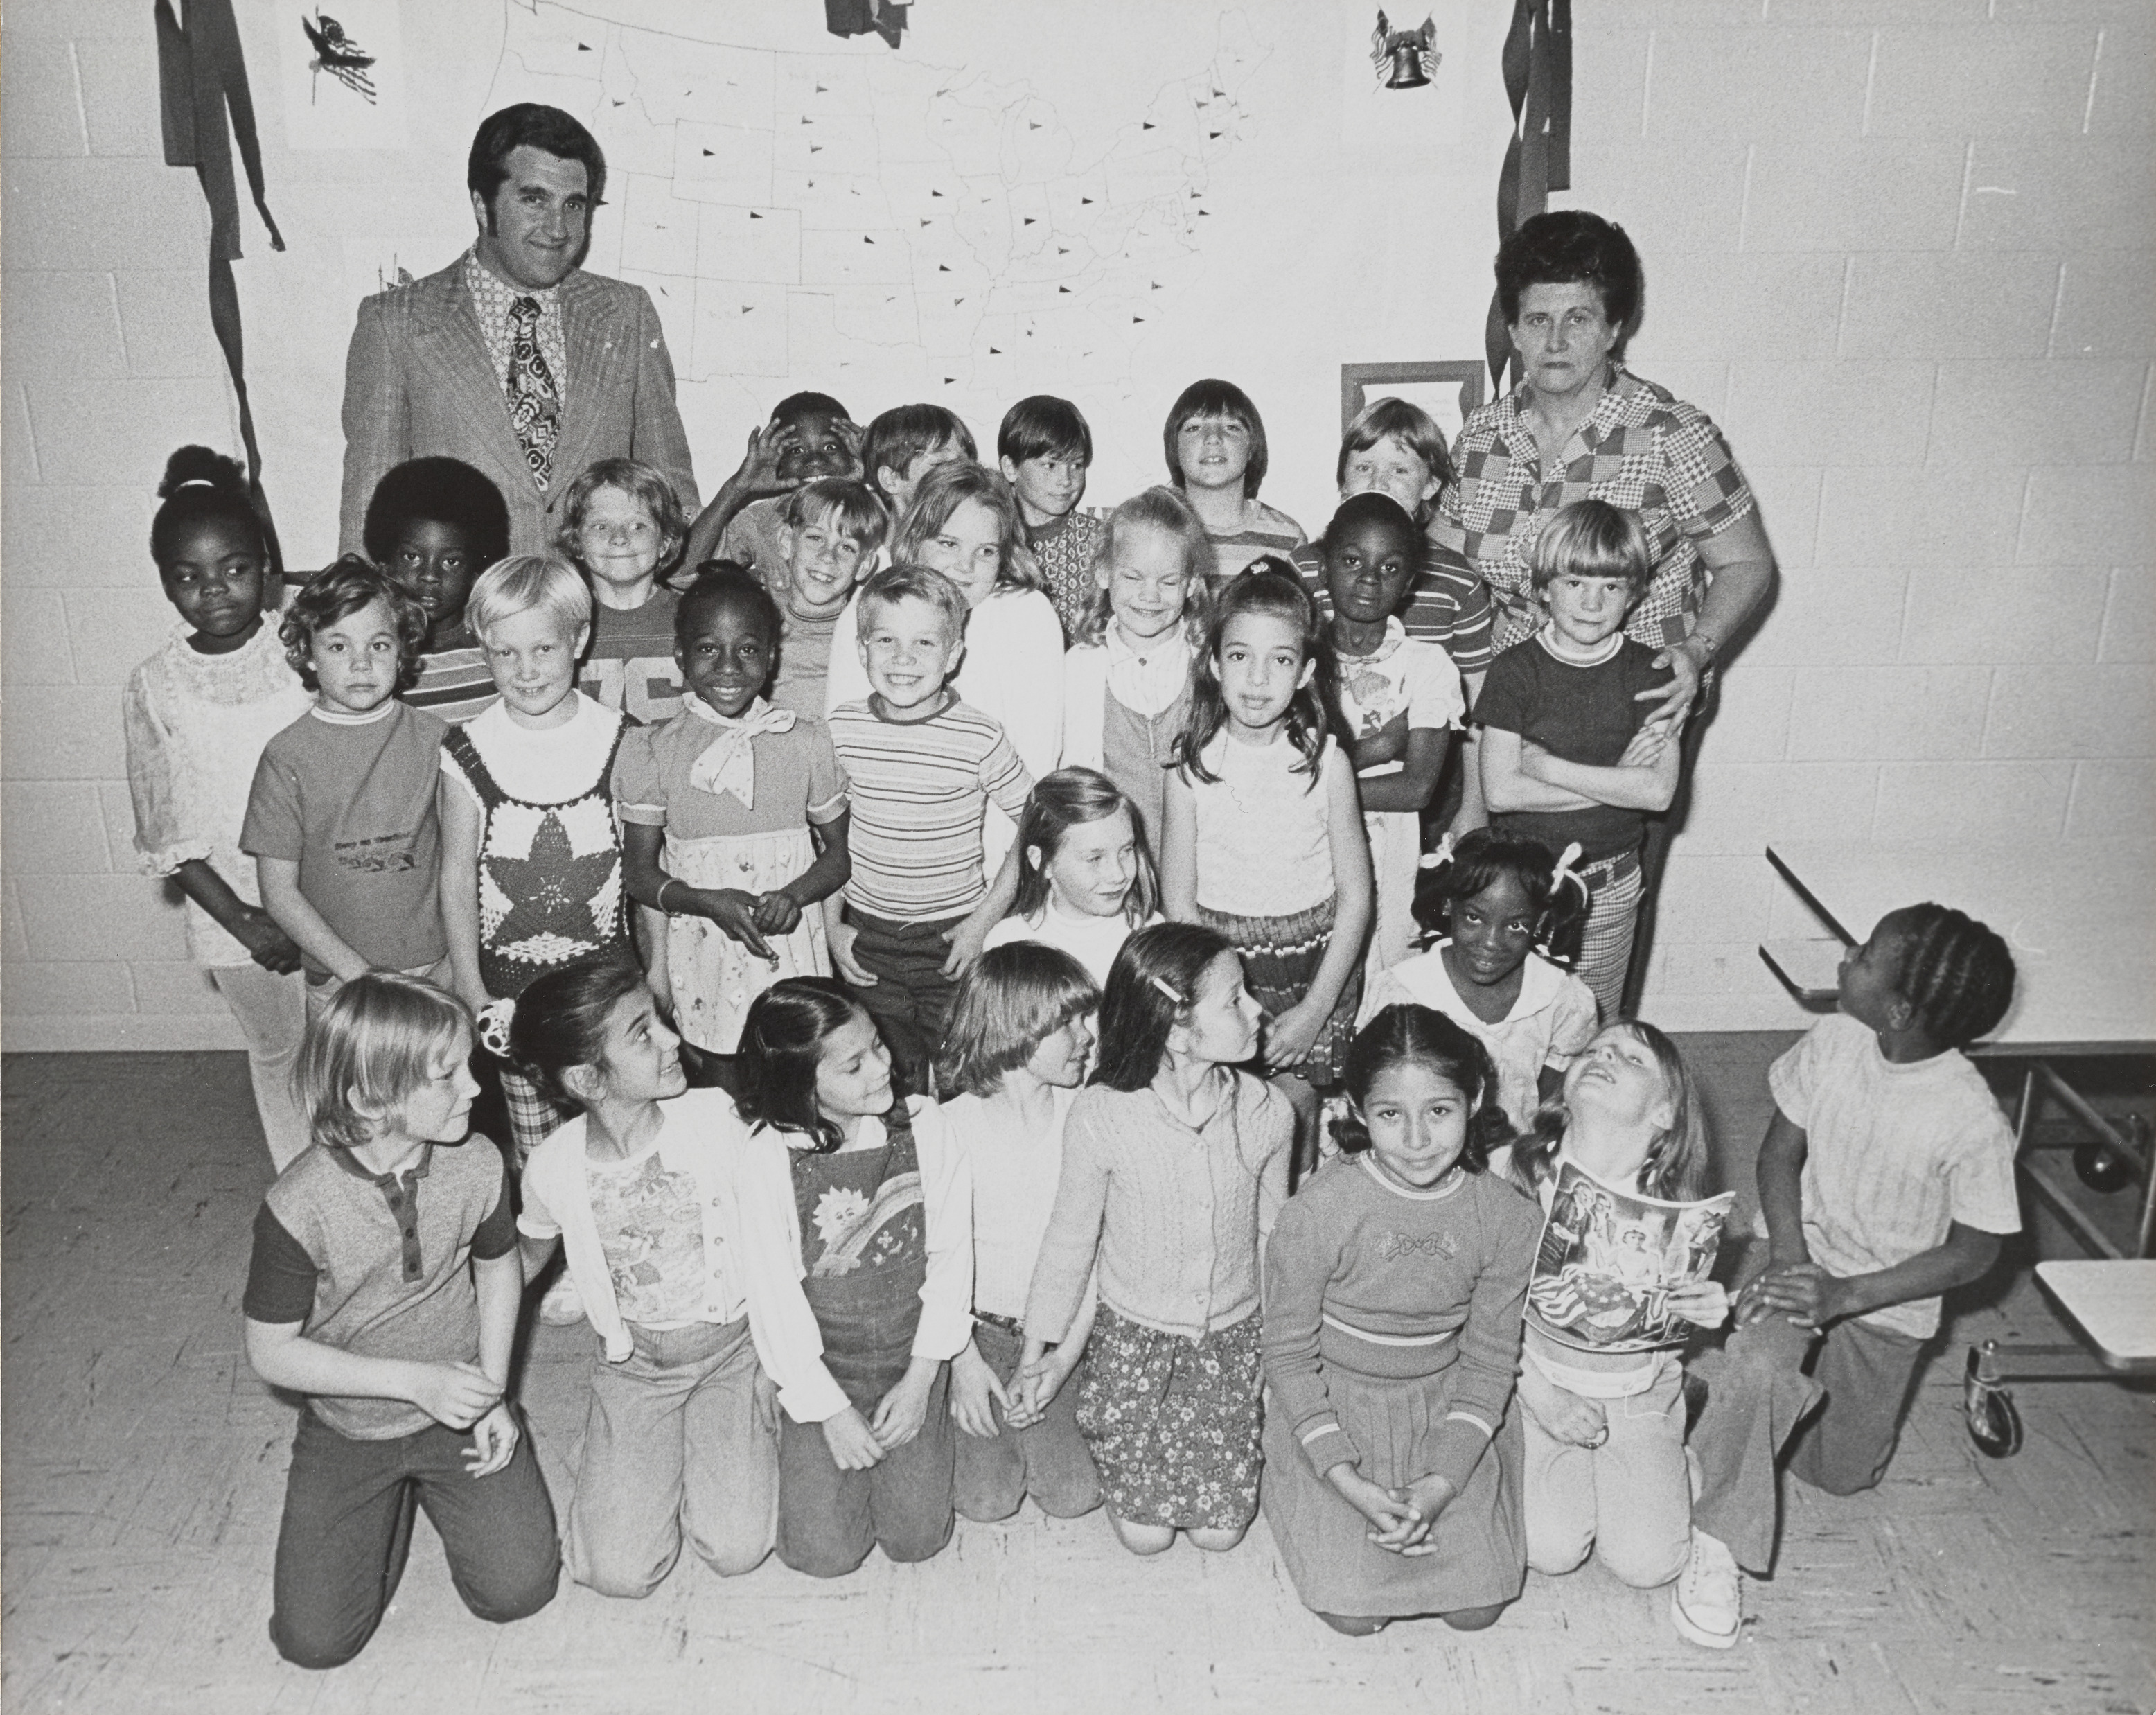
(860, 1264)
(1393, 1283)
(384, 1287)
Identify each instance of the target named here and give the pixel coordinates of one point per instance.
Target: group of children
(906, 1162)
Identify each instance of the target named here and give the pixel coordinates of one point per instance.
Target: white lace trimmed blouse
(196, 724)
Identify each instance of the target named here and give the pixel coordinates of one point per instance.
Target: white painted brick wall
(1904, 251)
(1935, 312)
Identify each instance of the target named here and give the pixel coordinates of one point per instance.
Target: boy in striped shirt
(921, 767)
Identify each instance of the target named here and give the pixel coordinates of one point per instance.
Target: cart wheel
(1987, 1404)
(2102, 1169)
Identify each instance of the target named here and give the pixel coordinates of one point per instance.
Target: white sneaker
(1707, 1602)
(561, 1307)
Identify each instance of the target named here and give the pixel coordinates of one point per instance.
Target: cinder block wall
(1901, 251)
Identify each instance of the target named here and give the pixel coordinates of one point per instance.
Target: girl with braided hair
(1886, 1177)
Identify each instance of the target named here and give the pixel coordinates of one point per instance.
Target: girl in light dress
(197, 714)
(734, 823)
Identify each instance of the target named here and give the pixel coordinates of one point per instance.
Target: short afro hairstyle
(437, 491)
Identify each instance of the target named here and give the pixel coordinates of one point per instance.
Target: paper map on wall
(878, 224)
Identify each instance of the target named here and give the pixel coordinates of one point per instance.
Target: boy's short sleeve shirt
(919, 791)
(390, 1272)
(1585, 715)
(629, 663)
(353, 804)
(1894, 1155)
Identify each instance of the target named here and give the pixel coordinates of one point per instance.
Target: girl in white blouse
(197, 714)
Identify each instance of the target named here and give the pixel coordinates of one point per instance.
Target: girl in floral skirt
(1174, 1164)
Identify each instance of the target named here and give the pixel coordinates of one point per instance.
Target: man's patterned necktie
(535, 406)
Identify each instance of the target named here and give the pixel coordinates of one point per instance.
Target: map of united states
(880, 222)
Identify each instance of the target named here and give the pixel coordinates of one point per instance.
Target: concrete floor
(144, 1470)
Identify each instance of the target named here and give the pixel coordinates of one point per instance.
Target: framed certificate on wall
(1447, 391)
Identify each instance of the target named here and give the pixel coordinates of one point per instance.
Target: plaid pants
(532, 1114)
(1605, 940)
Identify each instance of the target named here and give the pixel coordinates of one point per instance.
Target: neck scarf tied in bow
(728, 764)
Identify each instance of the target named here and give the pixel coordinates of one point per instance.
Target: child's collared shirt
(919, 790)
(351, 799)
(377, 1265)
(1893, 1155)
(1551, 1019)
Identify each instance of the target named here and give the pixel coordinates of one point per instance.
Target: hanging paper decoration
(1537, 65)
(202, 75)
(858, 17)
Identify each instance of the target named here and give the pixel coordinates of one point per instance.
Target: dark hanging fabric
(1537, 68)
(201, 74)
(858, 17)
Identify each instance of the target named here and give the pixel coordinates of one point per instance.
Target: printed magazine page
(1608, 1260)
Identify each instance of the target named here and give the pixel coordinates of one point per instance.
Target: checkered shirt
(1642, 449)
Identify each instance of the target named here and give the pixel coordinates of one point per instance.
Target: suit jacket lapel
(452, 351)
(596, 337)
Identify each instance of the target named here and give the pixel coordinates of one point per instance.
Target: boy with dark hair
(1043, 450)
(433, 525)
(810, 435)
(904, 443)
(1886, 1177)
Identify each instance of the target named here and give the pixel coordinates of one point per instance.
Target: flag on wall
(1537, 65)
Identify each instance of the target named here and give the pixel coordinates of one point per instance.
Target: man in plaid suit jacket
(513, 358)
